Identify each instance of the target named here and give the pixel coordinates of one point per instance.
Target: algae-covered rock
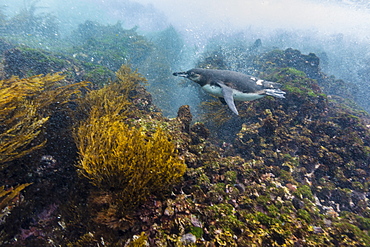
(25, 62)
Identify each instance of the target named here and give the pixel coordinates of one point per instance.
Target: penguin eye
(193, 76)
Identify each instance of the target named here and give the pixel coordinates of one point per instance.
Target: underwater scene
(184, 123)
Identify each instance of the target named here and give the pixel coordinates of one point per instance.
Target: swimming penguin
(230, 85)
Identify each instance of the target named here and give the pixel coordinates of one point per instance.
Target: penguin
(230, 85)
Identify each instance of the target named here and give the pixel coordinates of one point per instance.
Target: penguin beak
(182, 74)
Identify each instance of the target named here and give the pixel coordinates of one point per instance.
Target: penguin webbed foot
(277, 93)
(271, 85)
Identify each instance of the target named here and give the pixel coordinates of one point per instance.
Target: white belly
(238, 96)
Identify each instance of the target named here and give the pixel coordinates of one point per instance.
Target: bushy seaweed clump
(119, 158)
(25, 106)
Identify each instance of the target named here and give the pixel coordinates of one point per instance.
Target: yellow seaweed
(6, 197)
(116, 157)
(25, 107)
(113, 99)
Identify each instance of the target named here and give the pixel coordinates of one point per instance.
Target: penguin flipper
(228, 97)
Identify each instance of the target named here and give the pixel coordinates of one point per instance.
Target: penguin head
(190, 74)
(193, 75)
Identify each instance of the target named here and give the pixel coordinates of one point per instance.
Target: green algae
(304, 191)
(196, 231)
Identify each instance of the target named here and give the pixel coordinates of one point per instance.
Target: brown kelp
(130, 161)
(8, 199)
(119, 158)
(26, 105)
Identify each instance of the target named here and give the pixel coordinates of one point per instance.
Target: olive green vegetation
(113, 99)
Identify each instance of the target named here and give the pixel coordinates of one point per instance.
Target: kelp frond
(7, 195)
(112, 99)
(19, 135)
(6, 199)
(107, 100)
(13, 92)
(129, 79)
(25, 106)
